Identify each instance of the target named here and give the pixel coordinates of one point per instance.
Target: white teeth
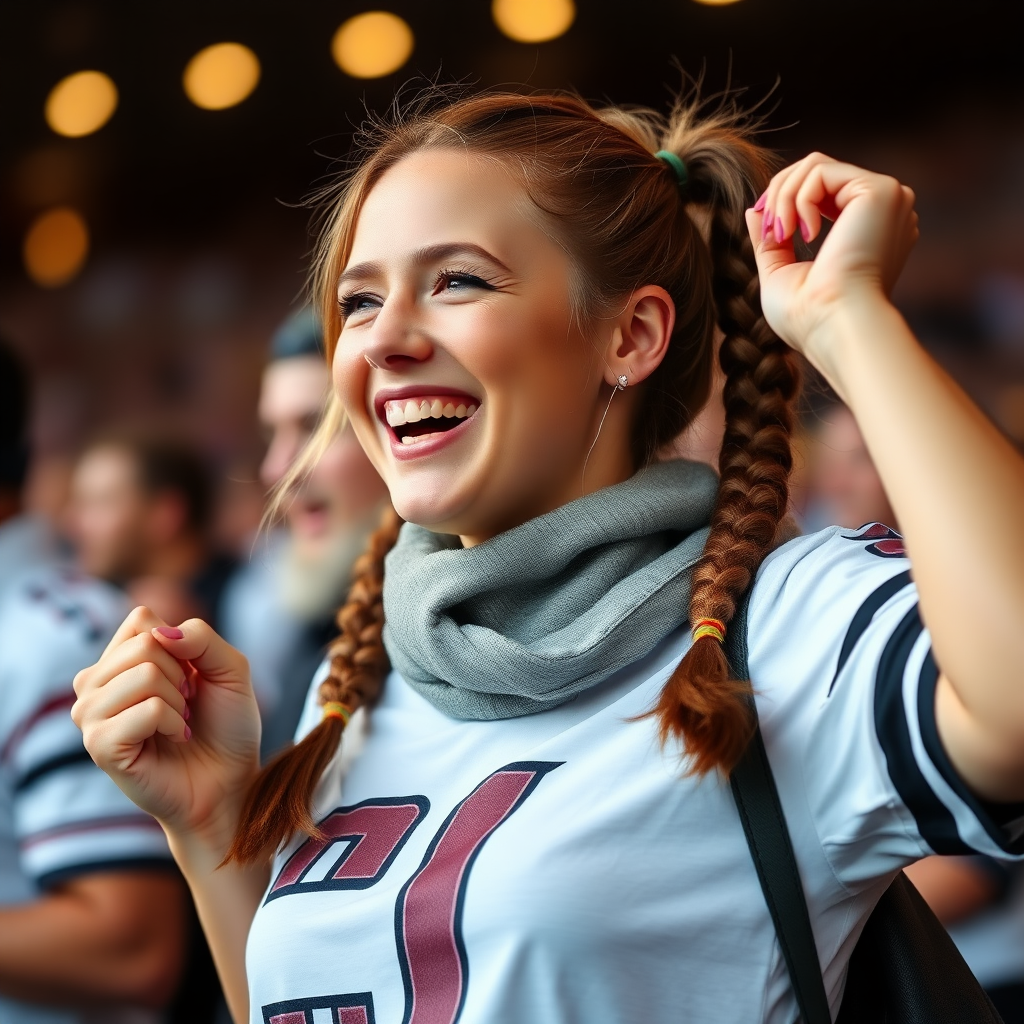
(398, 413)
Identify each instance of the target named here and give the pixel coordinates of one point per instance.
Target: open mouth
(426, 417)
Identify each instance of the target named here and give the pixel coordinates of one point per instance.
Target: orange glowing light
(221, 76)
(56, 246)
(81, 104)
(533, 21)
(372, 45)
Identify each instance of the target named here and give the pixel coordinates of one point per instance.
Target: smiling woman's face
(459, 362)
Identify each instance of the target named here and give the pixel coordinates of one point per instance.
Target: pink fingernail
(805, 231)
(765, 226)
(185, 713)
(188, 733)
(171, 632)
(759, 205)
(769, 217)
(780, 231)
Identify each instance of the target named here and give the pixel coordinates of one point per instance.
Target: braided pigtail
(279, 802)
(700, 702)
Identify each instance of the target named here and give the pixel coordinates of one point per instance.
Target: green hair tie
(677, 166)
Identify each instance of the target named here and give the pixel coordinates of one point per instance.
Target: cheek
(531, 358)
(348, 378)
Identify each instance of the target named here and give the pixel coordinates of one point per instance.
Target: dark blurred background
(196, 235)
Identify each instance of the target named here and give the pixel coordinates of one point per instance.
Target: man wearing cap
(279, 610)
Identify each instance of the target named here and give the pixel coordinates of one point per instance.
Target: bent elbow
(154, 973)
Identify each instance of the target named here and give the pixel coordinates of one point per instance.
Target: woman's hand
(859, 262)
(169, 714)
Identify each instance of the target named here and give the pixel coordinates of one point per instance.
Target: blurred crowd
(141, 522)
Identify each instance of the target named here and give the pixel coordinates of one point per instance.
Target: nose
(397, 339)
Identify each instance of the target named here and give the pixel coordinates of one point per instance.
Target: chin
(434, 508)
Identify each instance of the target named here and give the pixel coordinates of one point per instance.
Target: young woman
(527, 818)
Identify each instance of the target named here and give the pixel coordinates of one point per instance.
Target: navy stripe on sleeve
(865, 613)
(935, 821)
(48, 767)
(991, 816)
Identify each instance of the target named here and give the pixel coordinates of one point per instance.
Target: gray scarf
(536, 615)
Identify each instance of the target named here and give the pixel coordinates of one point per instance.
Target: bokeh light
(717, 3)
(373, 44)
(533, 21)
(221, 76)
(81, 103)
(56, 246)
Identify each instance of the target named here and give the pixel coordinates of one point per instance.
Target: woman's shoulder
(816, 597)
(834, 570)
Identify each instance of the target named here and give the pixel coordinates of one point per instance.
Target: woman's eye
(356, 303)
(450, 281)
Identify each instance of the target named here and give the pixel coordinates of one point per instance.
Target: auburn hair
(625, 221)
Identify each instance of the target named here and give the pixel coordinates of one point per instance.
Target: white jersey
(561, 867)
(60, 816)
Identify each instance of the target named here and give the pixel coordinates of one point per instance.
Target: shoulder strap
(764, 825)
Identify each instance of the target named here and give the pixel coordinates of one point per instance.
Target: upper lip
(416, 391)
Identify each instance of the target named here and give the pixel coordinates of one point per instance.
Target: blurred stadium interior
(196, 237)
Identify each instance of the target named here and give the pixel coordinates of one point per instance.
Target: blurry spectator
(279, 610)
(140, 515)
(981, 902)
(92, 911)
(842, 485)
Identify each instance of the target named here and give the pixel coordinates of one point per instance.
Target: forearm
(103, 940)
(226, 899)
(957, 487)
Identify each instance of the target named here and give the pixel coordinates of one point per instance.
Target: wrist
(203, 847)
(856, 336)
(200, 852)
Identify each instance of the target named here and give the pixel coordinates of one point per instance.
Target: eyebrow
(428, 254)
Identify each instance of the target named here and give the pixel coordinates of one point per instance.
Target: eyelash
(350, 303)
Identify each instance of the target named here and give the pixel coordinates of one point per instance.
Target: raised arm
(956, 484)
(169, 714)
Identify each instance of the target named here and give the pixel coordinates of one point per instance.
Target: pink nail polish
(769, 217)
(188, 733)
(780, 230)
(759, 205)
(185, 714)
(805, 231)
(765, 227)
(171, 632)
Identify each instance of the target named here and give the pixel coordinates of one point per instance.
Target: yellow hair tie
(709, 627)
(335, 709)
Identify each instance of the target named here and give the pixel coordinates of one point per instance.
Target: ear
(641, 334)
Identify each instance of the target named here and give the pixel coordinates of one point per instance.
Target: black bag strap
(764, 825)
(757, 799)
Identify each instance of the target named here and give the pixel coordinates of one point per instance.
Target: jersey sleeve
(68, 818)
(845, 675)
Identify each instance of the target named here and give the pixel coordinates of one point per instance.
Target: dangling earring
(623, 382)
